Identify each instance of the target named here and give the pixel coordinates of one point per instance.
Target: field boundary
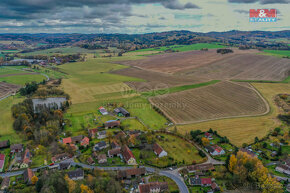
(228, 117)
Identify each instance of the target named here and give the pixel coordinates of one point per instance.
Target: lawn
(22, 79)
(179, 149)
(6, 120)
(171, 184)
(53, 74)
(280, 53)
(244, 130)
(8, 70)
(132, 124)
(183, 48)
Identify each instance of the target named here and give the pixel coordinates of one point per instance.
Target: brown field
(6, 88)
(155, 80)
(244, 67)
(181, 61)
(245, 129)
(221, 100)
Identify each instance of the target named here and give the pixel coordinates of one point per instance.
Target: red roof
(207, 134)
(66, 140)
(93, 131)
(218, 148)
(206, 181)
(2, 156)
(101, 107)
(85, 141)
(127, 153)
(157, 148)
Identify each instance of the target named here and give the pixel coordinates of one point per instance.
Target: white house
(159, 151)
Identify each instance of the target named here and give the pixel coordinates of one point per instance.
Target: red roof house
(66, 140)
(93, 132)
(159, 151)
(85, 141)
(206, 181)
(128, 155)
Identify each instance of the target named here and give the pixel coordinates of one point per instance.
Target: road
(174, 175)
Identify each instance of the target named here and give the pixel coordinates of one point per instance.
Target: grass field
(183, 48)
(179, 149)
(6, 120)
(62, 50)
(280, 53)
(6, 70)
(22, 79)
(244, 130)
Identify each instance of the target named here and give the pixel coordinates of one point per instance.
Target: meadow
(23, 79)
(61, 50)
(280, 53)
(6, 120)
(244, 130)
(183, 48)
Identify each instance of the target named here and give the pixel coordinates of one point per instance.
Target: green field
(280, 53)
(6, 120)
(62, 50)
(183, 48)
(22, 79)
(7, 70)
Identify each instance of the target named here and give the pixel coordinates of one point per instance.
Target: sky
(137, 16)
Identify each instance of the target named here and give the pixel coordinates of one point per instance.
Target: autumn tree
(34, 179)
(205, 141)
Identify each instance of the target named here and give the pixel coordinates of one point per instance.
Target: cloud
(261, 1)
(173, 4)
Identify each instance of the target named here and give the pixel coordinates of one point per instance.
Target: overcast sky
(136, 16)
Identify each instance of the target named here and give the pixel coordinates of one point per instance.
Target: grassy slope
(64, 50)
(278, 52)
(244, 130)
(183, 48)
(84, 83)
(6, 120)
(22, 79)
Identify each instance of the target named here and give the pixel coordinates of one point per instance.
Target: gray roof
(76, 173)
(52, 102)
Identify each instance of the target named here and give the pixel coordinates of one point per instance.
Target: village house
(60, 157)
(4, 144)
(2, 161)
(64, 165)
(27, 175)
(215, 187)
(200, 168)
(206, 181)
(153, 187)
(114, 152)
(85, 142)
(90, 161)
(111, 124)
(128, 155)
(72, 140)
(131, 173)
(92, 133)
(115, 145)
(77, 174)
(102, 159)
(195, 181)
(103, 111)
(159, 151)
(215, 150)
(102, 134)
(121, 112)
(16, 148)
(208, 135)
(5, 183)
(283, 168)
(251, 153)
(99, 146)
(26, 159)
